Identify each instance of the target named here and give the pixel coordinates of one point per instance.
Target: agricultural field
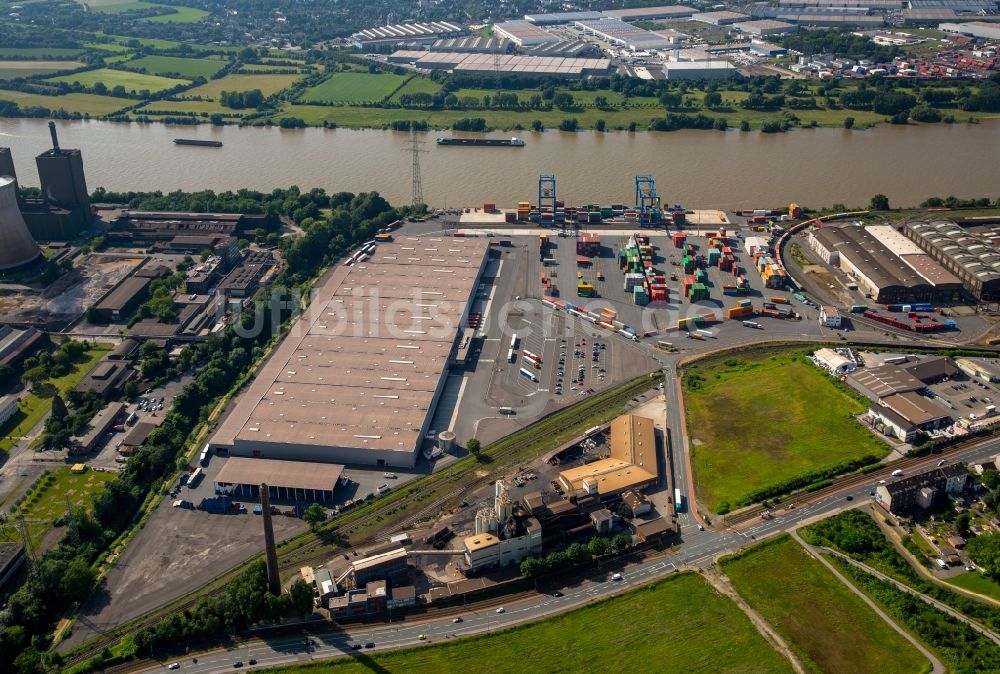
(133, 82)
(41, 53)
(33, 407)
(117, 6)
(761, 420)
(353, 88)
(10, 70)
(164, 65)
(193, 107)
(828, 626)
(46, 503)
(268, 84)
(85, 104)
(698, 631)
(417, 85)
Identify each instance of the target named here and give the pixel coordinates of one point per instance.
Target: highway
(699, 549)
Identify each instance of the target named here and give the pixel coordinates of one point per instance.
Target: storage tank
(446, 441)
(17, 247)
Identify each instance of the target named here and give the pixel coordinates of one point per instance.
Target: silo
(446, 441)
(17, 247)
(486, 521)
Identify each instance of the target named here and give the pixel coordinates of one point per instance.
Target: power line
(415, 146)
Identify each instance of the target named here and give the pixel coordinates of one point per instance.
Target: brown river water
(700, 169)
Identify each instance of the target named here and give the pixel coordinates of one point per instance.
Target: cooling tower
(17, 248)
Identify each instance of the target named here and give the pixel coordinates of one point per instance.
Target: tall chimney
(55, 138)
(273, 580)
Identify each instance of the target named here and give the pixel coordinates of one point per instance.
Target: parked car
(501, 610)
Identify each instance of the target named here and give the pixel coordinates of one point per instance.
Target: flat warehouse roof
(274, 473)
(361, 367)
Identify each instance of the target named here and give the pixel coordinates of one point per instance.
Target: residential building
(923, 490)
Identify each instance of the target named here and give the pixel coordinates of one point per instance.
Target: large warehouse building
(632, 464)
(970, 254)
(892, 273)
(359, 376)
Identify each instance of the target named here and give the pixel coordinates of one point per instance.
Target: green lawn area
(829, 626)
(133, 82)
(353, 88)
(117, 6)
(13, 69)
(760, 420)
(268, 84)
(47, 502)
(33, 408)
(974, 581)
(677, 625)
(40, 52)
(190, 68)
(180, 15)
(417, 85)
(91, 104)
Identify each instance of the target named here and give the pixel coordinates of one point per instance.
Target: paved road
(700, 548)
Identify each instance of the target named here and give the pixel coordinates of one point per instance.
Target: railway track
(853, 480)
(318, 550)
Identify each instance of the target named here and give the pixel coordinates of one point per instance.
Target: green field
(677, 625)
(417, 85)
(195, 107)
(43, 53)
(760, 420)
(180, 15)
(190, 68)
(13, 69)
(85, 104)
(974, 581)
(829, 626)
(117, 6)
(268, 84)
(47, 502)
(33, 408)
(353, 88)
(133, 82)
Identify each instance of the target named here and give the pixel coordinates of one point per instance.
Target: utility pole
(415, 146)
(22, 529)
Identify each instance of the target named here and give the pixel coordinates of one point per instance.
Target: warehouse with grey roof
(359, 376)
(968, 253)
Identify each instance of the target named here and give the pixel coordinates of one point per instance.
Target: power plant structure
(63, 211)
(17, 247)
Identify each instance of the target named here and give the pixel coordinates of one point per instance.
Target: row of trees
(576, 554)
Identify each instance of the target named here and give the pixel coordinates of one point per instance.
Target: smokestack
(17, 247)
(273, 580)
(55, 138)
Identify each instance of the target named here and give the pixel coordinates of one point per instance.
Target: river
(813, 167)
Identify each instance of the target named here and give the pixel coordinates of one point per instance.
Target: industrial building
(358, 378)
(829, 317)
(12, 557)
(667, 12)
(472, 45)
(980, 29)
(843, 4)
(506, 64)
(558, 18)
(389, 566)
(698, 70)
(720, 18)
(968, 253)
(885, 276)
(835, 363)
(17, 247)
(623, 34)
(16, 343)
(107, 378)
(299, 481)
(98, 426)
(925, 490)
(407, 33)
(903, 414)
(124, 298)
(523, 33)
(138, 433)
(371, 600)
(8, 407)
(822, 19)
(253, 272)
(885, 380)
(632, 465)
(505, 534)
(987, 371)
(765, 27)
